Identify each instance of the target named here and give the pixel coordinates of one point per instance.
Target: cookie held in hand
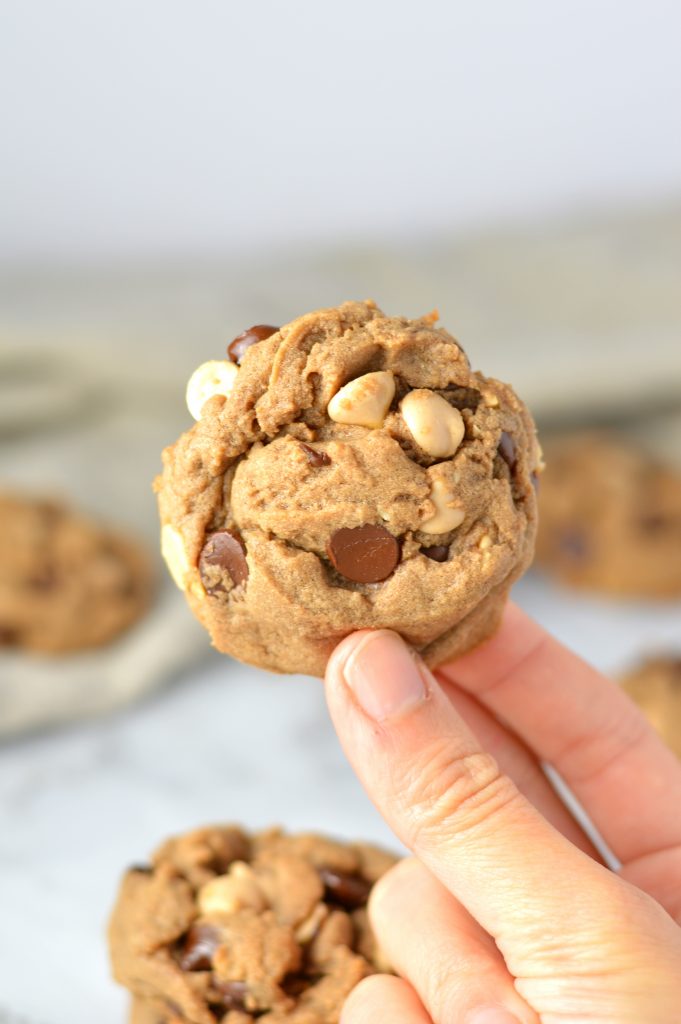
(348, 470)
(268, 926)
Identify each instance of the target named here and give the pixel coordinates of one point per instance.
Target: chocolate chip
(438, 552)
(573, 544)
(252, 336)
(365, 554)
(507, 450)
(9, 636)
(295, 984)
(653, 523)
(315, 457)
(348, 890)
(226, 550)
(45, 579)
(141, 869)
(199, 946)
(232, 994)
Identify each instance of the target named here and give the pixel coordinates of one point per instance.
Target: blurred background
(174, 172)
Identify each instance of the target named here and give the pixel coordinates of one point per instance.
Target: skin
(506, 912)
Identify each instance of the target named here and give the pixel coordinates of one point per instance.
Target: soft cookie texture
(223, 927)
(610, 518)
(349, 471)
(65, 582)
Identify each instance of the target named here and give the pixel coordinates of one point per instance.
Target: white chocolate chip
(175, 556)
(215, 377)
(485, 542)
(364, 401)
(435, 425)
(308, 928)
(227, 894)
(490, 400)
(447, 515)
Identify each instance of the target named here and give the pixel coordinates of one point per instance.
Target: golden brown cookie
(226, 927)
(349, 470)
(610, 518)
(65, 583)
(655, 685)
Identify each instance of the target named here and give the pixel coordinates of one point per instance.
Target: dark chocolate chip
(315, 457)
(507, 450)
(141, 869)
(365, 554)
(348, 890)
(438, 552)
(225, 549)
(45, 579)
(252, 336)
(199, 946)
(295, 984)
(573, 545)
(232, 994)
(9, 637)
(654, 523)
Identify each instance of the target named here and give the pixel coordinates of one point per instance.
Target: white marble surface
(229, 743)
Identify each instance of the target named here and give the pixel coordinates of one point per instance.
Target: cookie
(65, 583)
(348, 470)
(610, 518)
(223, 927)
(655, 685)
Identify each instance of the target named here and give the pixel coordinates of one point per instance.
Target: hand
(506, 914)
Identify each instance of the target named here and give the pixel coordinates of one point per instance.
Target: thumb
(532, 890)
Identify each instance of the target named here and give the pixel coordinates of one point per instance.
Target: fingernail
(384, 676)
(491, 1015)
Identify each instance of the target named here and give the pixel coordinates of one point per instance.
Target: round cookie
(610, 518)
(65, 583)
(655, 685)
(348, 471)
(224, 927)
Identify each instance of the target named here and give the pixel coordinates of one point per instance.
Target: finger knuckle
(452, 792)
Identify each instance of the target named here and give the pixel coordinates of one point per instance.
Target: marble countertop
(226, 742)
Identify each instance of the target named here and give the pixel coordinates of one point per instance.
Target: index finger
(448, 801)
(584, 725)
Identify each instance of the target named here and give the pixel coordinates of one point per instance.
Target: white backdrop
(146, 127)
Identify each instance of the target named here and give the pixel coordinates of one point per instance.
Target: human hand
(506, 914)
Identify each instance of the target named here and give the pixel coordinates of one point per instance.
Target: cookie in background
(66, 582)
(227, 926)
(655, 685)
(610, 518)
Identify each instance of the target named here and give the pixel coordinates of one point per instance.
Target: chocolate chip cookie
(223, 927)
(65, 582)
(655, 685)
(348, 470)
(610, 518)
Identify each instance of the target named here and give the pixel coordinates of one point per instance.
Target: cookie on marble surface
(65, 583)
(610, 518)
(655, 685)
(224, 927)
(348, 471)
